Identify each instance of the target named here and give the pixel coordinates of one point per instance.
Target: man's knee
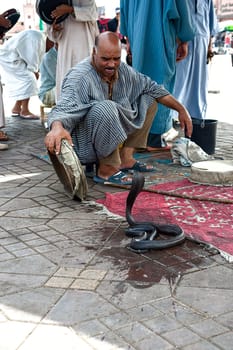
(103, 111)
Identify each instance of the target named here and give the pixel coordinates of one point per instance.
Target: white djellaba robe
(20, 58)
(76, 39)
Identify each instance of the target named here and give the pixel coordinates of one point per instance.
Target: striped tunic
(98, 121)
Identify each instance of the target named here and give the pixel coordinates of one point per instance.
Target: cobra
(148, 235)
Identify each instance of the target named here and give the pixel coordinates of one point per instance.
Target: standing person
(231, 52)
(75, 35)
(191, 85)
(105, 103)
(114, 25)
(20, 59)
(153, 28)
(5, 23)
(48, 74)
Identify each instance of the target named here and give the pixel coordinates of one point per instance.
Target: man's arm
(183, 115)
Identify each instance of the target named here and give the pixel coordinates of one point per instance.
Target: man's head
(117, 12)
(107, 54)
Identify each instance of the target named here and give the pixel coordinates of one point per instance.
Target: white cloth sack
(185, 152)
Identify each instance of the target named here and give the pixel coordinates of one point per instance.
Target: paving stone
(17, 203)
(93, 274)
(117, 320)
(108, 341)
(76, 306)
(11, 283)
(31, 265)
(224, 341)
(154, 342)
(45, 248)
(181, 337)
(90, 328)
(8, 240)
(10, 223)
(208, 328)
(85, 284)
(207, 301)
(202, 345)
(214, 277)
(226, 319)
(135, 332)
(59, 282)
(126, 295)
(68, 272)
(6, 256)
(24, 252)
(143, 312)
(30, 305)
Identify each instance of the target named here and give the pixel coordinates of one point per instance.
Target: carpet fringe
(102, 210)
(227, 257)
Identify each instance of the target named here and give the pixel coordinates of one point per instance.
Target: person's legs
(25, 107)
(106, 134)
(138, 139)
(3, 135)
(17, 108)
(2, 113)
(21, 108)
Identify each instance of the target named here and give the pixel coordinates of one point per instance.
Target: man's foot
(118, 178)
(140, 167)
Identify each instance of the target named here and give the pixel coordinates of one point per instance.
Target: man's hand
(184, 116)
(185, 122)
(61, 10)
(54, 137)
(182, 51)
(4, 22)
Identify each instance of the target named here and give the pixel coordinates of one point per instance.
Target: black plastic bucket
(204, 134)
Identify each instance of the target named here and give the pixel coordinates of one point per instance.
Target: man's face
(107, 58)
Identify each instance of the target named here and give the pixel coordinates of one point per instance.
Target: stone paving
(67, 280)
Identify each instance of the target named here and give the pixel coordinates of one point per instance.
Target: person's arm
(183, 115)
(62, 10)
(54, 137)
(4, 22)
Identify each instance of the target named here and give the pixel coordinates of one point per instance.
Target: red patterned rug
(204, 212)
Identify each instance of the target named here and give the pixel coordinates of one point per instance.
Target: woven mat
(204, 212)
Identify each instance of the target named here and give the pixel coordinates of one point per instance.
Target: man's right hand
(4, 22)
(55, 136)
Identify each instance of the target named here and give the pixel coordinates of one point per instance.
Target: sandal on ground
(3, 146)
(15, 114)
(118, 178)
(30, 117)
(140, 167)
(3, 136)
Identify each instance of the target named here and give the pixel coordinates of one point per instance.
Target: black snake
(148, 235)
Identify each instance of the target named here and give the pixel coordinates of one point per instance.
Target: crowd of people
(104, 107)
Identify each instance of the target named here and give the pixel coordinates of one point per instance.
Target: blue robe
(191, 85)
(152, 27)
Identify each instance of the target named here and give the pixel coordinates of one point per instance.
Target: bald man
(105, 103)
